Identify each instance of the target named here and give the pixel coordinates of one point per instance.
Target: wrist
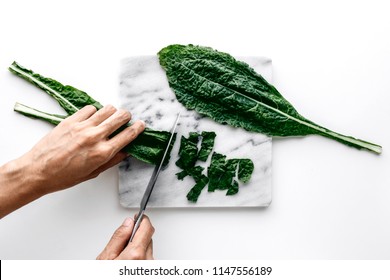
(19, 185)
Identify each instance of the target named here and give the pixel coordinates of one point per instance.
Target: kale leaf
(230, 92)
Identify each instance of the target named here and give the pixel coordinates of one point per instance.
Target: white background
(331, 60)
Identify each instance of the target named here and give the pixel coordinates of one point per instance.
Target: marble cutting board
(145, 92)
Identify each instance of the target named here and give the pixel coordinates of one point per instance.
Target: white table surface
(331, 60)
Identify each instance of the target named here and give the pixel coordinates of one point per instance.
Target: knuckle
(107, 150)
(99, 156)
(152, 229)
(66, 122)
(77, 128)
(109, 107)
(120, 233)
(111, 256)
(138, 253)
(90, 108)
(89, 137)
(149, 224)
(96, 153)
(140, 126)
(123, 114)
(87, 109)
(132, 132)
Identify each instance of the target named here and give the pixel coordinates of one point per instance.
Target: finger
(149, 251)
(118, 241)
(126, 136)
(83, 114)
(112, 162)
(115, 121)
(101, 115)
(144, 234)
(136, 250)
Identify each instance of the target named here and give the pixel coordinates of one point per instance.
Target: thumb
(118, 241)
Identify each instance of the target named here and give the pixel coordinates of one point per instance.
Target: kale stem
(348, 140)
(34, 113)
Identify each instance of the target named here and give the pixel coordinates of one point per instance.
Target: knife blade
(152, 181)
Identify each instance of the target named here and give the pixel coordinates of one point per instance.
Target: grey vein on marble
(145, 92)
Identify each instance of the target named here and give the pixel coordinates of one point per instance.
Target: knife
(152, 182)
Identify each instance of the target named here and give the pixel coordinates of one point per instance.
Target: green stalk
(36, 114)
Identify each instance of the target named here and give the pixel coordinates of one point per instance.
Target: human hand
(141, 248)
(79, 149)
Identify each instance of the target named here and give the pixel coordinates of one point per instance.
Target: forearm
(18, 186)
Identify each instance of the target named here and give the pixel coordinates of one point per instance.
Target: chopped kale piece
(233, 189)
(226, 180)
(245, 170)
(194, 137)
(188, 151)
(196, 172)
(222, 173)
(207, 145)
(216, 171)
(194, 193)
(182, 174)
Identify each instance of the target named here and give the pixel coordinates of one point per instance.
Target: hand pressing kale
(148, 147)
(76, 150)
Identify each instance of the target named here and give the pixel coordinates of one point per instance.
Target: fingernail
(142, 122)
(127, 222)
